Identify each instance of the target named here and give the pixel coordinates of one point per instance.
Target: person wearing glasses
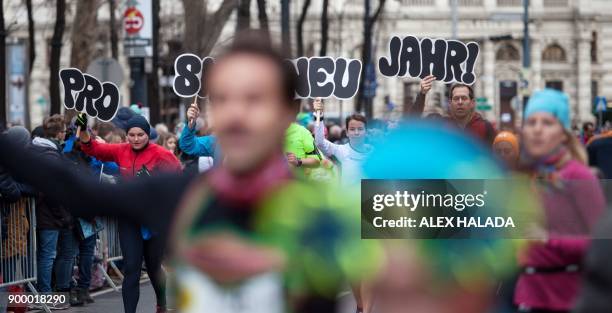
(461, 110)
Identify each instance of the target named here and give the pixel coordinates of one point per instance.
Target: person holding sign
(348, 155)
(134, 157)
(461, 110)
(203, 146)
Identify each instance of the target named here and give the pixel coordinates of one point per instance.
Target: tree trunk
(56, 50)
(263, 17)
(3, 117)
(154, 94)
(366, 57)
(31, 39)
(84, 34)
(202, 29)
(113, 30)
(299, 28)
(243, 20)
(324, 28)
(285, 26)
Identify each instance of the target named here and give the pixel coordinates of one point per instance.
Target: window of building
(507, 52)
(419, 3)
(594, 47)
(555, 84)
(509, 3)
(467, 3)
(554, 53)
(410, 92)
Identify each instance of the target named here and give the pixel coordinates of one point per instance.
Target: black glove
(81, 121)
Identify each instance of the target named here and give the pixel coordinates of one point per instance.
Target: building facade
(570, 48)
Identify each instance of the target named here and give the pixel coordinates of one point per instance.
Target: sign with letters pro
(85, 93)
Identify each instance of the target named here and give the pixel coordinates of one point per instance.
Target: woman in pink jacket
(572, 200)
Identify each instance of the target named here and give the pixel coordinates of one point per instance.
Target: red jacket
(480, 128)
(154, 157)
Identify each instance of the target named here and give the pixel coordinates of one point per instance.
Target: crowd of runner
(260, 160)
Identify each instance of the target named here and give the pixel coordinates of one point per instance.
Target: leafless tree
(56, 50)
(2, 65)
(243, 20)
(324, 28)
(202, 28)
(366, 58)
(31, 34)
(299, 28)
(263, 17)
(84, 33)
(113, 30)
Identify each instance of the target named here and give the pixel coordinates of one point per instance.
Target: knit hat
(19, 134)
(550, 101)
(506, 136)
(123, 116)
(140, 122)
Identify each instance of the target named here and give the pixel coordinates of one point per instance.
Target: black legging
(134, 248)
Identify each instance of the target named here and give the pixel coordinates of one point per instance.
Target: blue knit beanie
(550, 101)
(140, 122)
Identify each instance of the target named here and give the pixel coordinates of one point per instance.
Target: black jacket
(49, 213)
(9, 191)
(600, 155)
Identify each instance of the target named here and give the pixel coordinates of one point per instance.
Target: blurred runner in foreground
(236, 230)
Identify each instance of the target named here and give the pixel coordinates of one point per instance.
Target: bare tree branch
(263, 17)
(299, 28)
(56, 50)
(112, 23)
(31, 34)
(243, 20)
(203, 29)
(84, 33)
(2, 65)
(324, 28)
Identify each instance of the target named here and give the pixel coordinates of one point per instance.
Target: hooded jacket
(49, 214)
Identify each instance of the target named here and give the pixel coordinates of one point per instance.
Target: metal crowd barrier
(18, 244)
(111, 249)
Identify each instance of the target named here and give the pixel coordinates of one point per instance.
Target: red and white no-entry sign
(132, 20)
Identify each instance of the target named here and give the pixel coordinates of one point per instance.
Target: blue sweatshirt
(199, 146)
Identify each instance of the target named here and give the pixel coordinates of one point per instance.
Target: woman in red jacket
(136, 158)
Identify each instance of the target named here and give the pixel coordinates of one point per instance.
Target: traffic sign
(106, 69)
(132, 21)
(601, 104)
(482, 104)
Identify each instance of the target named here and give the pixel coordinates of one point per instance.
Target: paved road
(111, 302)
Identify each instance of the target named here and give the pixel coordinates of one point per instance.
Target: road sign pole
(600, 122)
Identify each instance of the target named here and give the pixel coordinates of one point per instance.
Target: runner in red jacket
(130, 161)
(137, 157)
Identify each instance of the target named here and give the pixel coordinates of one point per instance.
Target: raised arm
(416, 110)
(328, 148)
(148, 201)
(189, 143)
